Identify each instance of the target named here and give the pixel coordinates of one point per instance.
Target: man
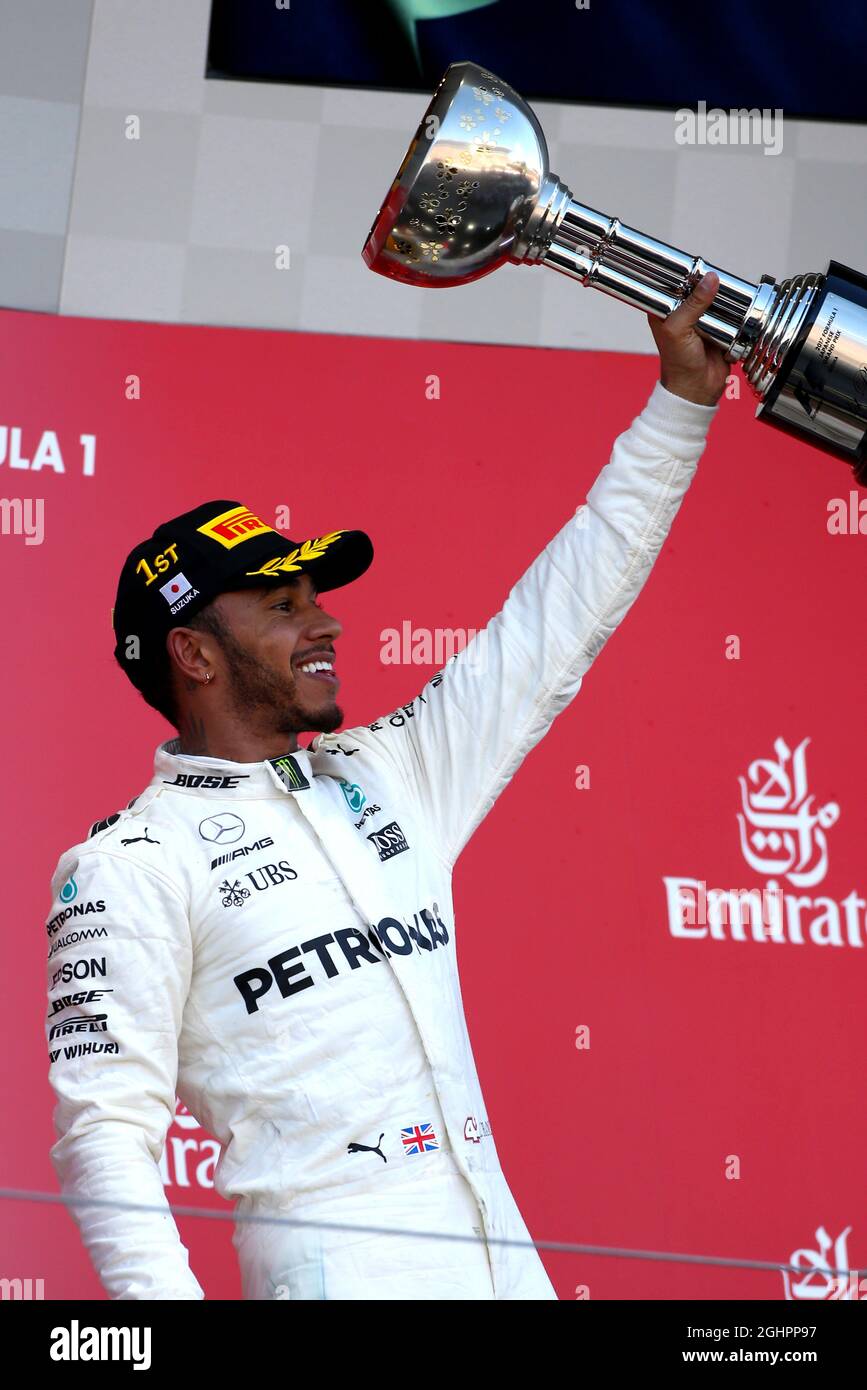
(268, 931)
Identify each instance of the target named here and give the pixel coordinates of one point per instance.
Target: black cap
(205, 552)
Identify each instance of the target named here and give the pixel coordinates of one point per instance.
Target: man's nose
(320, 622)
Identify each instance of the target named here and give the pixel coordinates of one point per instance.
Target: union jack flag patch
(419, 1139)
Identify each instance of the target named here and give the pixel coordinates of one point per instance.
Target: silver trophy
(474, 191)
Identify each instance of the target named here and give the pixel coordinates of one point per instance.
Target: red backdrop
(718, 1108)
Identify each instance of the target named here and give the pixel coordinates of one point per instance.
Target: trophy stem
(652, 276)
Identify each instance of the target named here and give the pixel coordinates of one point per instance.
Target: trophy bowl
(475, 190)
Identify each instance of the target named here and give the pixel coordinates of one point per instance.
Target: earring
(208, 677)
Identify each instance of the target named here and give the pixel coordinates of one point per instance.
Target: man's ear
(187, 659)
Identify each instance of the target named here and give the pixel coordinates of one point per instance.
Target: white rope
(562, 1247)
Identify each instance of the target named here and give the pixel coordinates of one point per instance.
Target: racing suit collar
(219, 777)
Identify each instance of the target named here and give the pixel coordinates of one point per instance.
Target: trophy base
(819, 392)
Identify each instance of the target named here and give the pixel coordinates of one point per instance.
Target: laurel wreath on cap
(308, 550)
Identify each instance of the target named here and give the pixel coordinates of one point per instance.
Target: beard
(268, 701)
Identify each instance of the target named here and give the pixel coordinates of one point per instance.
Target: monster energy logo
(289, 772)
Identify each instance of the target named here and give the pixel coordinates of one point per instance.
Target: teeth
(312, 666)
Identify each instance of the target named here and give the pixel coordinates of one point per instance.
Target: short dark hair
(155, 683)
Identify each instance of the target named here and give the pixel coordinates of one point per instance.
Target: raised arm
(116, 994)
(460, 741)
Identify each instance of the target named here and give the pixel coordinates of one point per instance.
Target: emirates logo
(780, 831)
(784, 837)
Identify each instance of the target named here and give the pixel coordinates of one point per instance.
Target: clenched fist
(689, 365)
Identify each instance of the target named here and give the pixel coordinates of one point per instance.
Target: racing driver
(267, 930)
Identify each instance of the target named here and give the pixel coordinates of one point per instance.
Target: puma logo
(144, 837)
(368, 1148)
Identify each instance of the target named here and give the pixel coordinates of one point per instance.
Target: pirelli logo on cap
(231, 528)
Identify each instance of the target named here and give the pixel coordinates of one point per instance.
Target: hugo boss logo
(389, 841)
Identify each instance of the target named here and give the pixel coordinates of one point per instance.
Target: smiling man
(280, 678)
(269, 929)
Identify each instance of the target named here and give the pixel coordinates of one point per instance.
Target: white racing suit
(275, 942)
